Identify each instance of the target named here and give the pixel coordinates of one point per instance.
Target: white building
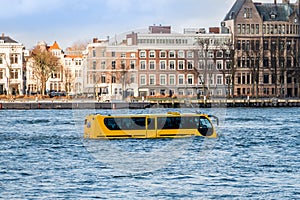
(11, 66)
(67, 79)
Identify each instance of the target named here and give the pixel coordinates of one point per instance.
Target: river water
(44, 156)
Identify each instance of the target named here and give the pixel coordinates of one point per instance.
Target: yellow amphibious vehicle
(169, 125)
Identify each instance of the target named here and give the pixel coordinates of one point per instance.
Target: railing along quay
(146, 103)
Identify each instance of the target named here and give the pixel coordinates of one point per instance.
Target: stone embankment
(141, 104)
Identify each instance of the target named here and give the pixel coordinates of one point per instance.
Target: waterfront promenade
(27, 104)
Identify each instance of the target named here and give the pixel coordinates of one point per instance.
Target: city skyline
(69, 22)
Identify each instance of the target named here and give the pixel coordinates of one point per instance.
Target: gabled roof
(7, 39)
(234, 10)
(54, 46)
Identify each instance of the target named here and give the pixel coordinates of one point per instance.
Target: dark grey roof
(275, 12)
(281, 11)
(7, 39)
(234, 10)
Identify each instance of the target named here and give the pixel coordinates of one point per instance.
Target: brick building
(266, 41)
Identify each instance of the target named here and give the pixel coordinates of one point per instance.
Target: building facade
(266, 42)
(11, 66)
(160, 63)
(67, 79)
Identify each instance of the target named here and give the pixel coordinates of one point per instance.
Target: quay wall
(162, 103)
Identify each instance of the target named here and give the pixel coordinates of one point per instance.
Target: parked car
(57, 94)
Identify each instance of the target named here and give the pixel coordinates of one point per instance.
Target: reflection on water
(43, 155)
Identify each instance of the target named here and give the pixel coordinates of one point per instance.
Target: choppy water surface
(44, 156)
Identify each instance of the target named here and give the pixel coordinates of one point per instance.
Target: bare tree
(44, 64)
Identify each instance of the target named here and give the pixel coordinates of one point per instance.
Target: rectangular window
(171, 54)
(113, 64)
(94, 53)
(239, 29)
(201, 79)
(219, 80)
(162, 64)
(78, 62)
(190, 54)
(103, 78)
(162, 79)
(210, 65)
(201, 64)
(94, 65)
(143, 65)
(1, 74)
(180, 65)
(162, 54)
(152, 65)
(113, 54)
(132, 64)
(143, 54)
(266, 78)
(172, 79)
(257, 29)
(190, 79)
(13, 58)
(180, 54)
(102, 64)
(14, 74)
(152, 54)
(248, 29)
(151, 79)
(180, 79)
(219, 65)
(143, 79)
(172, 65)
(190, 65)
(201, 53)
(252, 29)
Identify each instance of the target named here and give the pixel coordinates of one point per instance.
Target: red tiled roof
(54, 46)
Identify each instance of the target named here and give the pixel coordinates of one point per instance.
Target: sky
(78, 21)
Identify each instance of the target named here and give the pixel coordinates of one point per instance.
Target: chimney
(95, 40)
(2, 35)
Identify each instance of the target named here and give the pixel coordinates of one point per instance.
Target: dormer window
(273, 15)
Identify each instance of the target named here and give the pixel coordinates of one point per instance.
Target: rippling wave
(44, 156)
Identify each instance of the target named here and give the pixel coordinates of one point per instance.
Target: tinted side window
(168, 122)
(111, 124)
(189, 122)
(134, 123)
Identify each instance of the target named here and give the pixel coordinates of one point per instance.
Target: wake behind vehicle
(169, 125)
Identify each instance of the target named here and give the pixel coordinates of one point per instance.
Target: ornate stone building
(11, 66)
(266, 41)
